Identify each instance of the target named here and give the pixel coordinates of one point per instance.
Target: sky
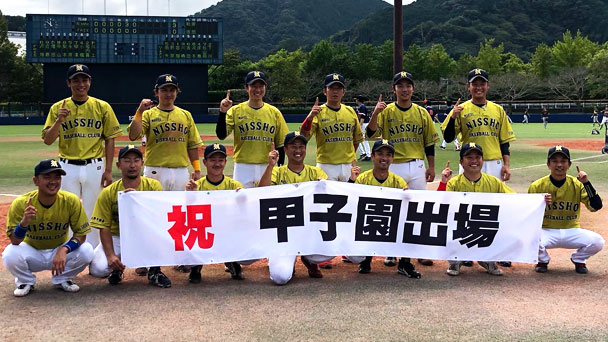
(113, 7)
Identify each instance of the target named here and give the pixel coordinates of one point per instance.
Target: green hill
(259, 27)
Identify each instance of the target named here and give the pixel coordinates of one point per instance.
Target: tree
(513, 86)
(569, 84)
(597, 76)
(285, 75)
(489, 58)
(464, 64)
(414, 61)
(439, 63)
(573, 52)
(542, 61)
(513, 64)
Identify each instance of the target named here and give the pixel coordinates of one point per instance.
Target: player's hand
(446, 174)
(457, 109)
(548, 199)
(29, 214)
(59, 261)
(315, 109)
(354, 171)
(581, 175)
(63, 112)
(106, 178)
(226, 103)
(196, 175)
(145, 104)
(115, 263)
(430, 174)
(191, 186)
(273, 157)
(505, 173)
(380, 106)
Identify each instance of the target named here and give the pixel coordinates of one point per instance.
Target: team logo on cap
(168, 79)
(131, 146)
(477, 71)
(558, 148)
(336, 77)
(256, 74)
(384, 142)
(472, 145)
(216, 146)
(296, 133)
(54, 163)
(78, 67)
(403, 74)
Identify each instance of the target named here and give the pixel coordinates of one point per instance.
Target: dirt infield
(586, 145)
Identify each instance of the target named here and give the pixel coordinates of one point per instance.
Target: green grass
(22, 149)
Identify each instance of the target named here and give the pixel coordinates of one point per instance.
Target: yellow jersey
(49, 229)
(565, 209)
(226, 184)
(83, 131)
(105, 214)
(410, 131)
(169, 136)
(487, 183)
(283, 175)
(487, 126)
(392, 181)
(254, 131)
(336, 132)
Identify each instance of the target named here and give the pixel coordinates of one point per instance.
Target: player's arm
(79, 223)
(60, 256)
(446, 174)
(306, 126)
(505, 172)
(449, 132)
(50, 135)
(273, 158)
(372, 125)
(196, 163)
(29, 214)
(220, 126)
(590, 197)
(105, 236)
(135, 127)
(106, 177)
(355, 171)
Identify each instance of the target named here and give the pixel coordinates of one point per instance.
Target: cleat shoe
(504, 263)
(158, 278)
(326, 265)
(425, 262)
(23, 290)
(580, 267)
(442, 147)
(226, 269)
(68, 286)
(490, 267)
(141, 271)
(467, 263)
(361, 157)
(346, 260)
(115, 277)
(182, 268)
(366, 265)
(541, 267)
(236, 272)
(407, 269)
(313, 269)
(195, 274)
(390, 261)
(454, 268)
(367, 158)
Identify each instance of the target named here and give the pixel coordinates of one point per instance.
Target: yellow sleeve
(506, 130)
(102, 213)
(111, 127)
(320, 173)
(451, 186)
(379, 125)
(506, 189)
(237, 184)
(402, 183)
(78, 218)
(50, 118)
(430, 132)
(357, 133)
(276, 176)
(145, 124)
(230, 120)
(282, 129)
(315, 124)
(194, 138)
(15, 214)
(157, 186)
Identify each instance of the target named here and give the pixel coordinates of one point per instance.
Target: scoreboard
(94, 39)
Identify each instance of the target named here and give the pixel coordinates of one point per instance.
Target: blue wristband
(73, 244)
(19, 232)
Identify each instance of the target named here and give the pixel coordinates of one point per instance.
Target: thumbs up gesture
(226, 103)
(315, 109)
(63, 112)
(29, 213)
(380, 106)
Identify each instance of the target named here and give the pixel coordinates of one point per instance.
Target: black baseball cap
(48, 166)
(404, 75)
(78, 69)
(334, 78)
(558, 149)
(166, 80)
(291, 136)
(253, 76)
(129, 148)
(383, 143)
(214, 148)
(466, 148)
(475, 73)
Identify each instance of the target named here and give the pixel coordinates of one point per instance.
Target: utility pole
(398, 36)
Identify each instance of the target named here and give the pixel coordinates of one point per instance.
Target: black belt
(80, 161)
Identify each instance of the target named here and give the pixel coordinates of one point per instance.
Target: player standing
(526, 118)
(82, 123)
(561, 226)
(364, 117)
(37, 226)
(545, 115)
(604, 118)
(256, 125)
(214, 159)
(106, 260)
(411, 130)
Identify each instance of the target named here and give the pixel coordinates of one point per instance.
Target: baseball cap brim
(334, 82)
(79, 73)
(131, 150)
(60, 170)
(558, 152)
(301, 137)
(214, 152)
(478, 76)
(257, 79)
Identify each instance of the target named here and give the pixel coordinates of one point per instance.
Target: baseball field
(522, 305)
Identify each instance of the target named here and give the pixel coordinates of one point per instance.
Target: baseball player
(336, 129)
(444, 143)
(172, 138)
(472, 179)
(281, 268)
(561, 226)
(86, 128)
(526, 116)
(37, 226)
(594, 117)
(256, 125)
(214, 159)
(106, 260)
(364, 117)
(411, 130)
(545, 115)
(604, 118)
(383, 153)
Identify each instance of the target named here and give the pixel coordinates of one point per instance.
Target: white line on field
(9, 195)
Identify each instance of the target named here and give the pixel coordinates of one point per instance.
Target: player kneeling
(382, 157)
(214, 159)
(106, 261)
(561, 226)
(37, 226)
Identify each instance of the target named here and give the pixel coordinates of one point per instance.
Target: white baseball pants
(586, 243)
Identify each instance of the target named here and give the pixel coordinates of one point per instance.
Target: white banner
(161, 228)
